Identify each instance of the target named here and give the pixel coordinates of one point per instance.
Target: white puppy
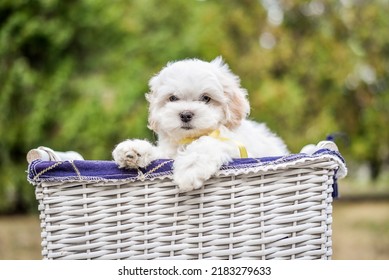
(198, 109)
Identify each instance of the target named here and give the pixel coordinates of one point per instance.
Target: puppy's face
(191, 98)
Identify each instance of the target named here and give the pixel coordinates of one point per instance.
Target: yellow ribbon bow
(216, 134)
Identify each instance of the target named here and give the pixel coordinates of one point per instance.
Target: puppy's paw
(188, 182)
(191, 171)
(133, 153)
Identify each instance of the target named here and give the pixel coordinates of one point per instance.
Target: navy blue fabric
(107, 170)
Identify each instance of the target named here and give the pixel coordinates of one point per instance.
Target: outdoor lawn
(360, 232)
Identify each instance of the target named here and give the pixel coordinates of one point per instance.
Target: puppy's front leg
(134, 153)
(199, 161)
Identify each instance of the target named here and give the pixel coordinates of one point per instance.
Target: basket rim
(107, 171)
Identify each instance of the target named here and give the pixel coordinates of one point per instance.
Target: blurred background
(73, 75)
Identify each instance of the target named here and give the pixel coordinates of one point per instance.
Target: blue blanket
(92, 170)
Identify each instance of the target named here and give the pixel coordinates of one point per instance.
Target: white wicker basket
(278, 209)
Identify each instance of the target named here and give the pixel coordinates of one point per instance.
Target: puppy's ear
(152, 98)
(152, 123)
(238, 106)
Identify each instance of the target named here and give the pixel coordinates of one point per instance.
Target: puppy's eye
(173, 98)
(205, 98)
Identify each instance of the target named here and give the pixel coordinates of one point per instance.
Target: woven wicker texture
(283, 213)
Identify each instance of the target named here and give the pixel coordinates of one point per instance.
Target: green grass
(360, 232)
(20, 238)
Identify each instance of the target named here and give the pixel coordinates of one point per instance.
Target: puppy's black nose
(186, 116)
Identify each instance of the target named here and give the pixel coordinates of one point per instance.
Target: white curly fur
(190, 99)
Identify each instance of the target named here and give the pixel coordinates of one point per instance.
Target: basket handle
(45, 153)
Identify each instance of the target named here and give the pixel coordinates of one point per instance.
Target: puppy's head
(190, 98)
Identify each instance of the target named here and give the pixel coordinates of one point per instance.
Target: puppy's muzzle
(186, 116)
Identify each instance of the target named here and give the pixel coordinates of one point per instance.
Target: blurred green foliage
(73, 73)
